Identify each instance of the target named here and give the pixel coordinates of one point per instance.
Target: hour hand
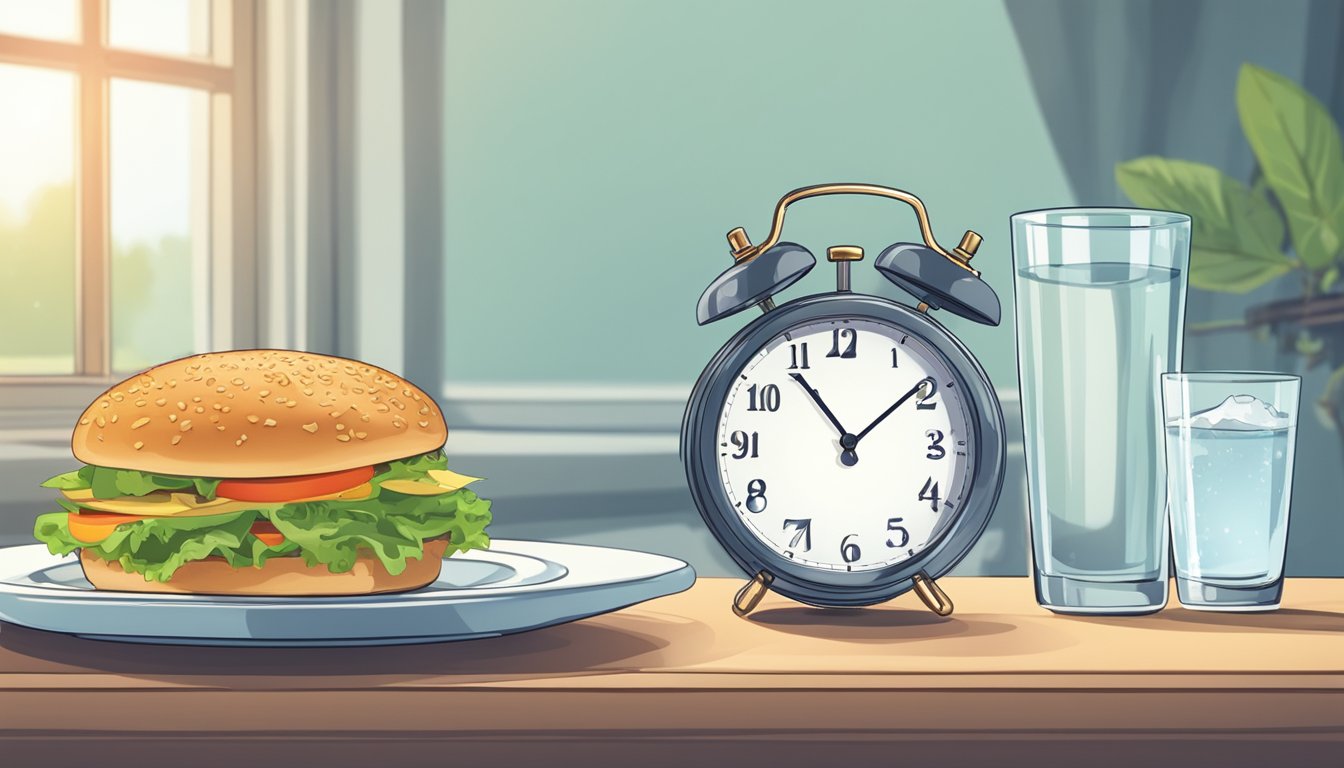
(816, 397)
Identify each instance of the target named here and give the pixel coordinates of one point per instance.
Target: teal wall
(601, 149)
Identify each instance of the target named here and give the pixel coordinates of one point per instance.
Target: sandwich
(263, 472)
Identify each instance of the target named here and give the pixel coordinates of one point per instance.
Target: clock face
(845, 445)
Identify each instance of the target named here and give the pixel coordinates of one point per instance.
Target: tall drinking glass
(1100, 296)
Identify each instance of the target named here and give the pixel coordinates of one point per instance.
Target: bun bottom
(277, 577)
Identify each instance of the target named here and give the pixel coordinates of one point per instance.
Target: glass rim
(1162, 219)
(1230, 377)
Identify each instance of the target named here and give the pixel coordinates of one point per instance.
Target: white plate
(512, 587)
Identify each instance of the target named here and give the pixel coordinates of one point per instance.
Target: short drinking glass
(1230, 440)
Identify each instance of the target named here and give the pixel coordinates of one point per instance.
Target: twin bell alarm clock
(845, 448)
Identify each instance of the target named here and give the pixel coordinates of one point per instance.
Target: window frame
(228, 77)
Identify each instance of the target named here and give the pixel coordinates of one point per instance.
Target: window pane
(37, 221)
(176, 27)
(160, 159)
(52, 19)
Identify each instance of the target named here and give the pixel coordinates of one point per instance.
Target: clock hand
(847, 441)
(893, 407)
(816, 396)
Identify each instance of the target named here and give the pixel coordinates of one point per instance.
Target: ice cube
(1238, 412)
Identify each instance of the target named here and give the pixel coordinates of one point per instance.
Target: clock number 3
(935, 449)
(756, 496)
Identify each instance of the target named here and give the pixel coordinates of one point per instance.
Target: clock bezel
(806, 583)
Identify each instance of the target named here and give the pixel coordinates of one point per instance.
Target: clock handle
(932, 595)
(751, 593)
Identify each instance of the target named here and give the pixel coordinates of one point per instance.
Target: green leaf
(1235, 237)
(66, 481)
(1330, 277)
(1299, 149)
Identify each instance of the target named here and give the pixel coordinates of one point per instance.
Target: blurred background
(517, 203)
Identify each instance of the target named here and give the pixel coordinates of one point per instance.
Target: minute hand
(893, 408)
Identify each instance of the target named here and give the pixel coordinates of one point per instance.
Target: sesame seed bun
(257, 413)
(278, 576)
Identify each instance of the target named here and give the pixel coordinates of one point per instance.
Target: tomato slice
(93, 527)
(292, 488)
(268, 533)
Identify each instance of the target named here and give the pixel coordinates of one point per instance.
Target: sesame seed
(140, 422)
(172, 418)
(101, 421)
(334, 414)
(340, 427)
(220, 389)
(172, 382)
(176, 439)
(139, 445)
(383, 408)
(264, 393)
(114, 418)
(214, 418)
(308, 392)
(361, 435)
(160, 401)
(252, 419)
(134, 389)
(423, 423)
(196, 399)
(185, 425)
(200, 409)
(237, 382)
(118, 396)
(100, 437)
(181, 406)
(226, 409)
(268, 423)
(343, 438)
(83, 421)
(290, 404)
(324, 403)
(311, 427)
(221, 427)
(210, 382)
(216, 406)
(365, 417)
(104, 403)
(243, 437)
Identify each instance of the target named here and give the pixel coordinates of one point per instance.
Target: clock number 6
(936, 450)
(849, 550)
(756, 496)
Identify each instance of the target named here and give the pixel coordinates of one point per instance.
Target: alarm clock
(845, 448)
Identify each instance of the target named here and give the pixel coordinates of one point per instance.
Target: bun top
(258, 413)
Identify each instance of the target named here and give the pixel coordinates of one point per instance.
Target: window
(126, 149)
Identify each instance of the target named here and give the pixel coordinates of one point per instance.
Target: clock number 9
(746, 445)
(756, 496)
(849, 550)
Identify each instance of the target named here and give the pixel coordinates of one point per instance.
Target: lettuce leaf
(109, 483)
(391, 526)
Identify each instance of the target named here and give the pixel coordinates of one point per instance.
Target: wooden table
(681, 681)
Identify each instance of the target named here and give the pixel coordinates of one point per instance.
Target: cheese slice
(451, 480)
(162, 504)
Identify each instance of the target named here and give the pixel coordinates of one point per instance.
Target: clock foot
(932, 595)
(751, 593)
